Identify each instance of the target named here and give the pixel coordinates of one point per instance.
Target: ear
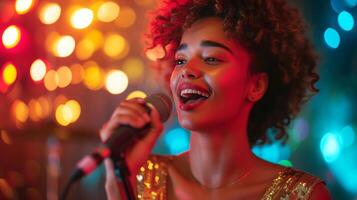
(258, 85)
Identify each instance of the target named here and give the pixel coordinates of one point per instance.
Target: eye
(180, 62)
(212, 60)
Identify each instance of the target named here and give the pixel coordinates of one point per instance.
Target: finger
(135, 106)
(111, 186)
(123, 110)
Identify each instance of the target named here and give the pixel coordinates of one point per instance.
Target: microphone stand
(123, 173)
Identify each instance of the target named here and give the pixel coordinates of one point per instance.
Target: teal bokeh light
(332, 38)
(177, 140)
(330, 147)
(346, 21)
(351, 3)
(347, 136)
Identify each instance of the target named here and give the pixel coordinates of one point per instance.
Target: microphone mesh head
(162, 103)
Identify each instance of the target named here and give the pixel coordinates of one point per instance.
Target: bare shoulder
(320, 192)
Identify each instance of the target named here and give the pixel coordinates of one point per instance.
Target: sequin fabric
(290, 184)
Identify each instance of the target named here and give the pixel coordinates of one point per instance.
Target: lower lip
(190, 106)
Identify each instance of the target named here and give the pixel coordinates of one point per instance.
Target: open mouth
(188, 96)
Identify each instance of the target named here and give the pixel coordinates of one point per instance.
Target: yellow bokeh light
(134, 68)
(155, 53)
(45, 107)
(82, 18)
(51, 40)
(75, 109)
(51, 80)
(64, 76)
(64, 46)
(20, 111)
(38, 70)
(126, 17)
(136, 94)
(85, 49)
(116, 82)
(23, 6)
(93, 76)
(77, 73)
(108, 11)
(35, 110)
(63, 115)
(49, 13)
(96, 37)
(9, 74)
(114, 45)
(11, 36)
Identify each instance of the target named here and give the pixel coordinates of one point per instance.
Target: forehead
(210, 28)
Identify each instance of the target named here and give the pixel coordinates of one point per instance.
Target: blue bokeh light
(330, 147)
(346, 21)
(351, 3)
(177, 140)
(274, 152)
(347, 136)
(332, 38)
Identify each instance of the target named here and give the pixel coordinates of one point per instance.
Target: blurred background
(65, 65)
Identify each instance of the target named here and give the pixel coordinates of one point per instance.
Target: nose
(190, 72)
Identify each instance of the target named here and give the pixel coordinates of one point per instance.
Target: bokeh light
(63, 115)
(136, 94)
(155, 53)
(6, 189)
(108, 11)
(64, 76)
(346, 21)
(46, 107)
(114, 45)
(332, 38)
(11, 36)
(35, 110)
(5, 137)
(82, 18)
(351, 3)
(127, 17)
(38, 70)
(75, 109)
(51, 80)
(93, 75)
(285, 163)
(330, 147)
(64, 46)
(85, 49)
(134, 68)
(145, 2)
(347, 136)
(77, 73)
(20, 111)
(49, 13)
(116, 82)
(177, 140)
(9, 73)
(23, 6)
(96, 37)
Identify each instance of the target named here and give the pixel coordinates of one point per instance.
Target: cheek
(173, 82)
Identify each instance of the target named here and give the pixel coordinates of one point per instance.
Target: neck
(221, 156)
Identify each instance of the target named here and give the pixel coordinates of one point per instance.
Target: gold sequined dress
(290, 184)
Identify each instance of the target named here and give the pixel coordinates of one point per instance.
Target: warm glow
(63, 115)
(60, 99)
(35, 110)
(11, 36)
(23, 6)
(85, 49)
(75, 109)
(65, 46)
(93, 76)
(96, 37)
(114, 45)
(9, 74)
(145, 2)
(5, 138)
(155, 53)
(51, 41)
(49, 13)
(82, 18)
(38, 70)
(51, 80)
(136, 94)
(45, 107)
(134, 68)
(64, 76)
(116, 82)
(77, 73)
(108, 11)
(20, 111)
(126, 17)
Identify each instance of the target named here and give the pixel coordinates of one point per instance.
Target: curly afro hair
(273, 33)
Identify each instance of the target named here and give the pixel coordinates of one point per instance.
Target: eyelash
(208, 60)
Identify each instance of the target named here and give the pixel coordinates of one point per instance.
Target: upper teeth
(192, 91)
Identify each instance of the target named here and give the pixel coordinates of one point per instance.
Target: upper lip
(188, 85)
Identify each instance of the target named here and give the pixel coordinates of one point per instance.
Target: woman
(240, 67)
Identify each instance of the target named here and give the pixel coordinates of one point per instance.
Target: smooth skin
(219, 164)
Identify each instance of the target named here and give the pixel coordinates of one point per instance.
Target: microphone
(121, 138)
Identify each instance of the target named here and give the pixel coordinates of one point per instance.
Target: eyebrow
(206, 43)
